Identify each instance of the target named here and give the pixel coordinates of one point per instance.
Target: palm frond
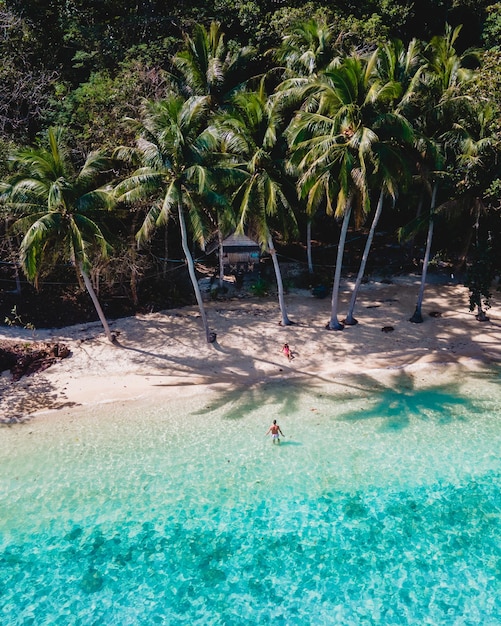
(102, 198)
(197, 223)
(91, 234)
(95, 165)
(149, 225)
(40, 233)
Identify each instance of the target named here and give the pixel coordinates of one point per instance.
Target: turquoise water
(380, 507)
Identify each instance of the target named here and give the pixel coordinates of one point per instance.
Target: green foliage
(14, 319)
(260, 288)
(56, 203)
(488, 84)
(119, 55)
(151, 54)
(95, 111)
(491, 34)
(286, 19)
(368, 29)
(87, 110)
(245, 21)
(6, 147)
(494, 191)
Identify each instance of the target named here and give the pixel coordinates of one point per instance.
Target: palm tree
(57, 205)
(443, 82)
(417, 316)
(475, 142)
(404, 67)
(308, 49)
(264, 194)
(393, 92)
(398, 70)
(334, 149)
(208, 68)
(173, 143)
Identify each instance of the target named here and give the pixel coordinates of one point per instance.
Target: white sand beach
(165, 352)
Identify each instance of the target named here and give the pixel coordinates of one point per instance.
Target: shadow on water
(398, 401)
(403, 401)
(284, 396)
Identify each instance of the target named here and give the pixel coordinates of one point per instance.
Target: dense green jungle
(346, 138)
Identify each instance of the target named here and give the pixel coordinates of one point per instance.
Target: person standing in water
(275, 431)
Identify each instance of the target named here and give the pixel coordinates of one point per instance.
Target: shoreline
(164, 353)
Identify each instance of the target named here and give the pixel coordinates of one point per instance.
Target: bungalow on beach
(240, 254)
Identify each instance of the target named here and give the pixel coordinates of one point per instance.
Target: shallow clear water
(378, 508)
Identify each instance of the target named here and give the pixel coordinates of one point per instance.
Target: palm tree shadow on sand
(396, 402)
(402, 401)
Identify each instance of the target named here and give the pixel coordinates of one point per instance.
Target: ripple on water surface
(377, 507)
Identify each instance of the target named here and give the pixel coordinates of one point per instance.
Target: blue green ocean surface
(380, 506)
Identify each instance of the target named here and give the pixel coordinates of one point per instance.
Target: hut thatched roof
(239, 241)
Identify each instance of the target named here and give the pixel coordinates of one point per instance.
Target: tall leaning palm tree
(250, 131)
(172, 144)
(445, 77)
(392, 92)
(306, 50)
(57, 205)
(333, 148)
(391, 172)
(208, 68)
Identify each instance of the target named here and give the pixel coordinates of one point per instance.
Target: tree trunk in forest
(221, 260)
(334, 323)
(280, 287)
(411, 243)
(308, 247)
(417, 317)
(350, 320)
(165, 263)
(133, 256)
(481, 315)
(210, 337)
(96, 303)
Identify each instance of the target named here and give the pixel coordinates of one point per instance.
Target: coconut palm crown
(264, 195)
(174, 150)
(57, 206)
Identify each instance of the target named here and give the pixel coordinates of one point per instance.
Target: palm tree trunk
(334, 323)
(308, 246)
(133, 257)
(165, 262)
(221, 259)
(13, 257)
(481, 315)
(350, 320)
(417, 317)
(211, 337)
(411, 244)
(280, 286)
(95, 301)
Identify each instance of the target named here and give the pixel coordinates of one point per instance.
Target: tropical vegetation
(298, 124)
